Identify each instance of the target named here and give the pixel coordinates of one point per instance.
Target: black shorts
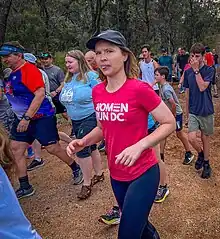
(60, 108)
(43, 129)
(151, 130)
(82, 128)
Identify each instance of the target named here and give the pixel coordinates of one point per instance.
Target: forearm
(35, 104)
(60, 87)
(159, 134)
(95, 136)
(200, 82)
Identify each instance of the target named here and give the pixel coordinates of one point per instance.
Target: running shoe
(96, 179)
(22, 193)
(112, 217)
(35, 164)
(85, 192)
(188, 158)
(162, 193)
(206, 172)
(77, 177)
(199, 162)
(101, 147)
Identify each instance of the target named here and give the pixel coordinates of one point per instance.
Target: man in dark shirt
(197, 81)
(182, 59)
(215, 55)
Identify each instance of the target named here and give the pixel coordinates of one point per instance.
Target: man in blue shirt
(166, 60)
(197, 81)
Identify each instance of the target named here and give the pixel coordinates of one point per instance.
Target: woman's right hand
(180, 85)
(75, 146)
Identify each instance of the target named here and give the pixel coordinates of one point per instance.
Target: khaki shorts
(204, 124)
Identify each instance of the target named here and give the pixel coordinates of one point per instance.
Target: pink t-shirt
(124, 115)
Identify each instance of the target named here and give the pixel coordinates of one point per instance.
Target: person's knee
(17, 149)
(192, 137)
(53, 148)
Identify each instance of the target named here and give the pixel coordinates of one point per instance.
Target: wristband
(27, 118)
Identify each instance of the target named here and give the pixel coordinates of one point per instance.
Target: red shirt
(124, 116)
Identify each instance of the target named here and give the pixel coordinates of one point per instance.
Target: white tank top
(147, 70)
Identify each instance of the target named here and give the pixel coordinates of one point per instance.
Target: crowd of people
(107, 95)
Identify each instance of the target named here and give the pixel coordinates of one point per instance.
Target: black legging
(135, 199)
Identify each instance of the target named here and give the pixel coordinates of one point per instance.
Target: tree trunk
(4, 12)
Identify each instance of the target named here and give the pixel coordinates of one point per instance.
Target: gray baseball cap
(112, 36)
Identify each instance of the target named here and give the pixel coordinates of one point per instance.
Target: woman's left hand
(129, 155)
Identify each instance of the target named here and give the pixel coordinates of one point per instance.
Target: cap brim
(5, 53)
(92, 42)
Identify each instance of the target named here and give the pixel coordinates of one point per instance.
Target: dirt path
(191, 211)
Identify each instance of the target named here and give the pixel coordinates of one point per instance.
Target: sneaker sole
(38, 166)
(164, 198)
(27, 195)
(80, 182)
(111, 222)
(191, 159)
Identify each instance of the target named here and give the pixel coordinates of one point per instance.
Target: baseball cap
(164, 49)
(7, 49)
(45, 55)
(30, 58)
(112, 36)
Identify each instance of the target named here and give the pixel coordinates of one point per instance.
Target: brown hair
(163, 71)
(130, 66)
(84, 67)
(6, 156)
(198, 48)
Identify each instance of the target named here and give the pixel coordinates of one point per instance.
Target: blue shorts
(82, 128)
(179, 122)
(151, 130)
(43, 129)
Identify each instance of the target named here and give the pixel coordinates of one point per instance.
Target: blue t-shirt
(76, 96)
(151, 121)
(166, 61)
(200, 103)
(13, 223)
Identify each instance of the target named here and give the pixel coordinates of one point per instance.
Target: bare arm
(201, 83)
(167, 122)
(94, 136)
(36, 102)
(167, 125)
(187, 103)
(60, 87)
(173, 106)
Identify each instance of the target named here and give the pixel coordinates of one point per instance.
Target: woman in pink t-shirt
(122, 104)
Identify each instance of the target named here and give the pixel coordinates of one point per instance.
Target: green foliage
(61, 25)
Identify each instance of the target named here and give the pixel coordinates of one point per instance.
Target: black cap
(112, 36)
(45, 55)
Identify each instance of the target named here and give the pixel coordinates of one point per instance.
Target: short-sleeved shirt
(124, 118)
(182, 60)
(56, 76)
(200, 103)
(147, 70)
(166, 61)
(167, 93)
(76, 96)
(14, 224)
(20, 88)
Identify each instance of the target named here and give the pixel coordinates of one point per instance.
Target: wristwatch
(196, 72)
(25, 117)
